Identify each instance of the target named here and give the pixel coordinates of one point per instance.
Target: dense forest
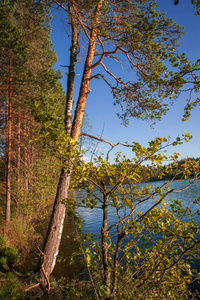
(29, 88)
(143, 254)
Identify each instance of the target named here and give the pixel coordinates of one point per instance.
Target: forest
(147, 245)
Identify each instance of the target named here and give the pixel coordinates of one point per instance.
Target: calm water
(92, 222)
(92, 218)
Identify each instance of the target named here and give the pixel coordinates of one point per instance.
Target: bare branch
(105, 141)
(103, 55)
(83, 25)
(97, 186)
(112, 75)
(103, 77)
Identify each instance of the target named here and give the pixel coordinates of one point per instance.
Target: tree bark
(26, 162)
(116, 263)
(104, 246)
(18, 173)
(18, 155)
(54, 233)
(84, 89)
(71, 74)
(8, 151)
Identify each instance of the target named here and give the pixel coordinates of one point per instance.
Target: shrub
(8, 255)
(10, 288)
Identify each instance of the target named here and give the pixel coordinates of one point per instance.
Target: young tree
(129, 32)
(146, 243)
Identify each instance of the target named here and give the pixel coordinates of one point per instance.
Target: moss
(11, 253)
(8, 255)
(10, 288)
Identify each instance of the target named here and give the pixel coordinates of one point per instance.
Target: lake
(92, 218)
(92, 222)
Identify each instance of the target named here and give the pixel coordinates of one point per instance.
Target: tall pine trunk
(8, 150)
(18, 155)
(54, 233)
(26, 162)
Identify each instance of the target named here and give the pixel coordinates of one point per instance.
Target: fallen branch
(32, 287)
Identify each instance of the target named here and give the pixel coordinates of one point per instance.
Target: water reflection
(92, 218)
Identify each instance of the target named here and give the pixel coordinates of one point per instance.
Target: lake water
(92, 222)
(92, 218)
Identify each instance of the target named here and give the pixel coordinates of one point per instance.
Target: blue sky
(100, 107)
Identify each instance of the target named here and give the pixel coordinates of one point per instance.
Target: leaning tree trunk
(54, 233)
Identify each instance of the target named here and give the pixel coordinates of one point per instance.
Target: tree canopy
(137, 36)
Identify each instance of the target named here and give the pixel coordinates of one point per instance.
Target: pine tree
(29, 86)
(132, 32)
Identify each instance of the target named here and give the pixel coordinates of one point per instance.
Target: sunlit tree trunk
(18, 155)
(8, 150)
(53, 237)
(26, 162)
(54, 233)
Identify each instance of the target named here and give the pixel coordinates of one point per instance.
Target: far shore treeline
(165, 172)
